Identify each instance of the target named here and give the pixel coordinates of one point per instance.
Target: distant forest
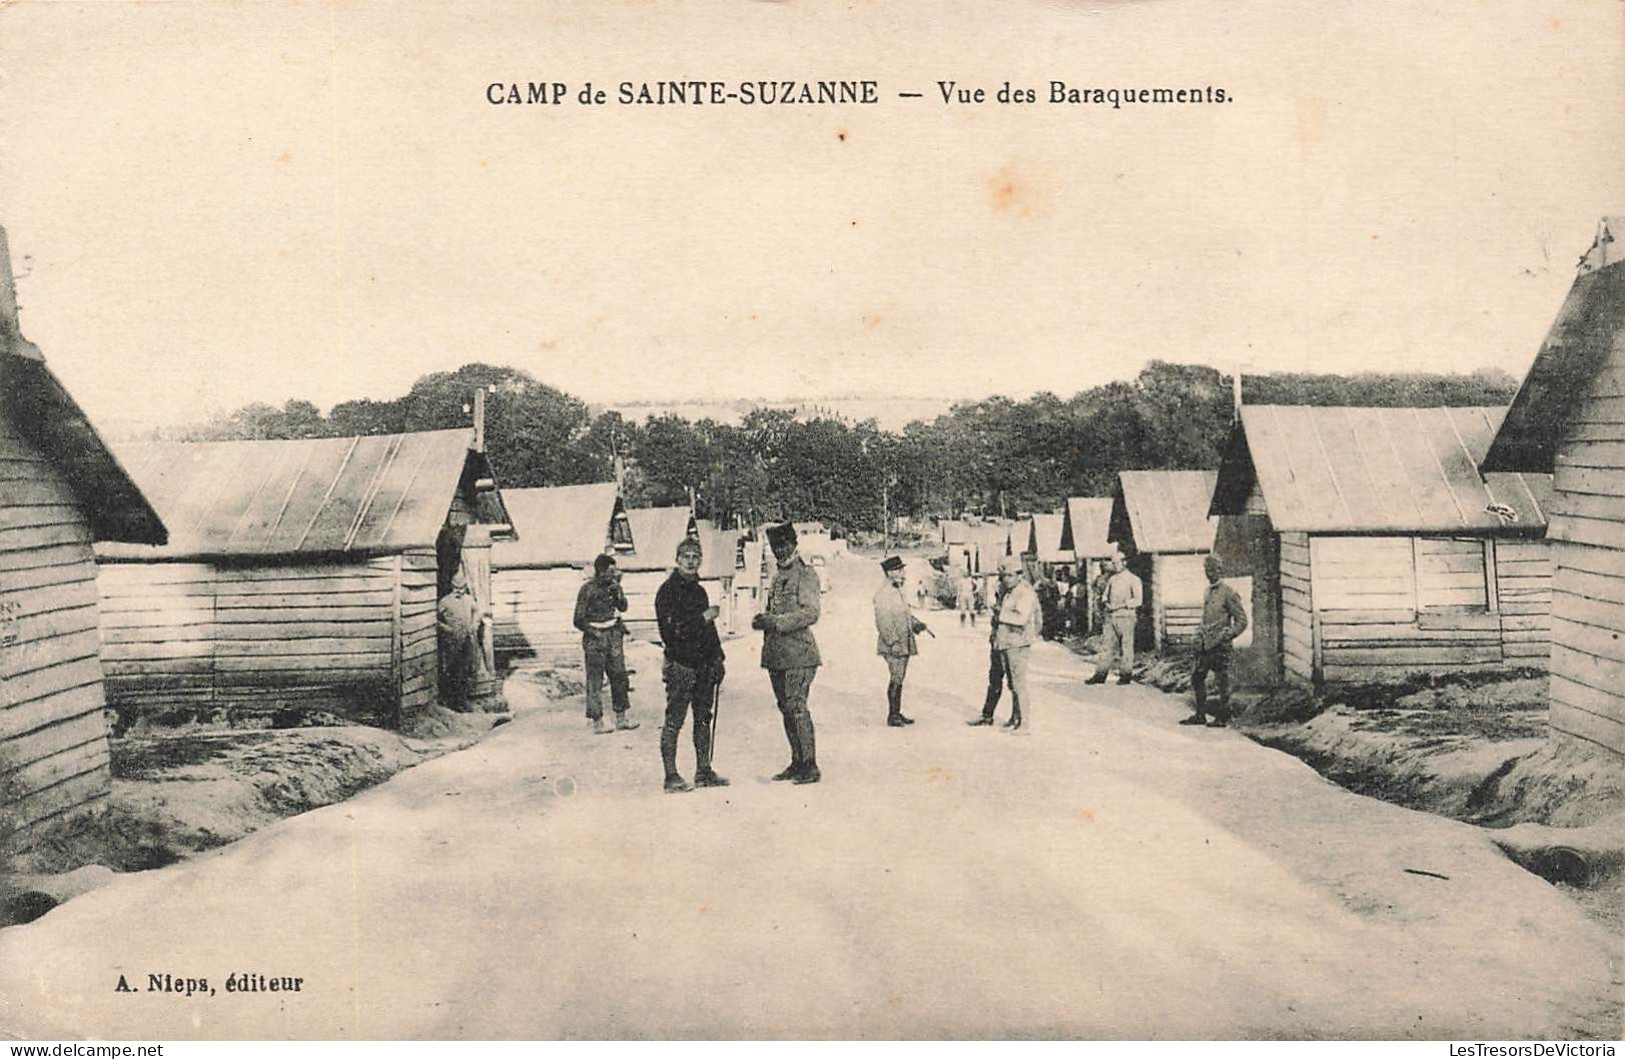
(992, 456)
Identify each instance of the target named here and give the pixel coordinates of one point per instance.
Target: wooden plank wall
(419, 635)
(236, 642)
(1367, 592)
(1390, 606)
(640, 587)
(1523, 587)
(1588, 590)
(157, 630)
(53, 732)
(1588, 644)
(1297, 611)
(1178, 585)
(532, 612)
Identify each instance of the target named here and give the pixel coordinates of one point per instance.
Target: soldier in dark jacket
(693, 669)
(1223, 619)
(789, 650)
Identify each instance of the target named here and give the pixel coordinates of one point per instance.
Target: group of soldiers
(693, 667)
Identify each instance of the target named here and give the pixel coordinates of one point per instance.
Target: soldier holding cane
(693, 670)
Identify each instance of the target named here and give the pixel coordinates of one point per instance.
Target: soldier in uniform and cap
(897, 628)
(789, 651)
(599, 605)
(1016, 626)
(693, 669)
(457, 619)
(1223, 619)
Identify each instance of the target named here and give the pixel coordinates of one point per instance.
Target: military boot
(894, 706)
(792, 770)
(704, 775)
(809, 751)
(897, 705)
(675, 783)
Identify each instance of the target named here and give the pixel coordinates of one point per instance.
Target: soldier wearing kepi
(789, 651)
(693, 671)
(897, 628)
(599, 605)
(1223, 619)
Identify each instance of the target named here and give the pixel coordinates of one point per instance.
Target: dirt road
(1115, 875)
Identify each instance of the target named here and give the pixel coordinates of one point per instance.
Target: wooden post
(397, 652)
(479, 419)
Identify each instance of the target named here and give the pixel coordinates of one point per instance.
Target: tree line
(993, 456)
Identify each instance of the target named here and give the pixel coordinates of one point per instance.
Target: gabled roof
(566, 525)
(1084, 532)
(1373, 470)
(721, 553)
(35, 403)
(1047, 538)
(1164, 511)
(991, 539)
(311, 496)
(656, 532)
(1583, 356)
(1021, 537)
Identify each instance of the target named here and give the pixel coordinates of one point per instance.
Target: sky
(211, 204)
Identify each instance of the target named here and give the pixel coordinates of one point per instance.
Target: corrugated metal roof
(1088, 519)
(1047, 538)
(1586, 339)
(40, 408)
(1373, 470)
(655, 534)
(358, 496)
(1165, 511)
(566, 525)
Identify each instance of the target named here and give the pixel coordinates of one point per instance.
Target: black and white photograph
(771, 520)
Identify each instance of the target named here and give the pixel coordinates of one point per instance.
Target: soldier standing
(693, 671)
(1223, 619)
(896, 628)
(789, 650)
(598, 615)
(1123, 596)
(1016, 626)
(997, 675)
(457, 618)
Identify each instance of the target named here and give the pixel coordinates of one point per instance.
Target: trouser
(1120, 641)
(790, 688)
(1215, 660)
(685, 690)
(896, 673)
(605, 656)
(456, 675)
(1015, 664)
(997, 677)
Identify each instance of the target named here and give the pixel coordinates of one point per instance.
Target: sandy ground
(1114, 875)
